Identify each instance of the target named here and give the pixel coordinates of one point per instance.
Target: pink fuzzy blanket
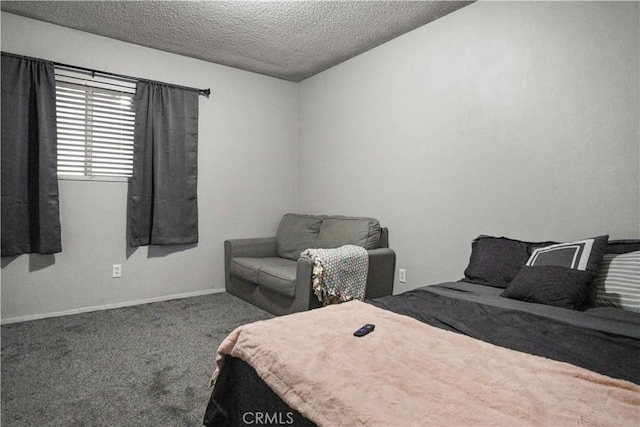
(407, 373)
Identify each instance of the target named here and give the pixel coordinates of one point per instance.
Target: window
(95, 120)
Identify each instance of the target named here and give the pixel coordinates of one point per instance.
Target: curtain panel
(30, 209)
(163, 202)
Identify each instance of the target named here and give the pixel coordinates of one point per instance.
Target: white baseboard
(108, 306)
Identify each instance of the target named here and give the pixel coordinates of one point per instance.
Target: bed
(457, 353)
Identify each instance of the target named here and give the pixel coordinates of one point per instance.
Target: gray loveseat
(270, 272)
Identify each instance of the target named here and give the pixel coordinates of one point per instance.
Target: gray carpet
(147, 365)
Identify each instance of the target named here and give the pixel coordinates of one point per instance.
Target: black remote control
(364, 330)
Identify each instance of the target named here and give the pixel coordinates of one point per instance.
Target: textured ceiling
(289, 40)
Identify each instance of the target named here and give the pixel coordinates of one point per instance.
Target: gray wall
(248, 122)
(503, 118)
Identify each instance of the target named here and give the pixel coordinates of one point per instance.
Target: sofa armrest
(382, 266)
(260, 247)
(305, 299)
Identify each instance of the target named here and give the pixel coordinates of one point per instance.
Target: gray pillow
(296, 233)
(618, 281)
(338, 231)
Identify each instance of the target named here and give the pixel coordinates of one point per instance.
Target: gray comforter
(604, 340)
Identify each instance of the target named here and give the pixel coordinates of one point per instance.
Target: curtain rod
(203, 92)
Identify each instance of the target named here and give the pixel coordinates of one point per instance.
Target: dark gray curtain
(30, 213)
(163, 203)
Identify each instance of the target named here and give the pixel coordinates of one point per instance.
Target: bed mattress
(602, 340)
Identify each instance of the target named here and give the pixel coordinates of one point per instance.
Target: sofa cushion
(296, 233)
(246, 268)
(337, 231)
(279, 276)
(273, 273)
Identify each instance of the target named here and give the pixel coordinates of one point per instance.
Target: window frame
(71, 79)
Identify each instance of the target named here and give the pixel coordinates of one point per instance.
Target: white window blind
(95, 120)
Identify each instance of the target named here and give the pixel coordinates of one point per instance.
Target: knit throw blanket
(339, 274)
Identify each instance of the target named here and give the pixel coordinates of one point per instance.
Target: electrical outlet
(402, 275)
(117, 270)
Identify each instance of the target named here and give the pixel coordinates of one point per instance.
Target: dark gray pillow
(495, 261)
(559, 274)
(296, 233)
(550, 285)
(622, 246)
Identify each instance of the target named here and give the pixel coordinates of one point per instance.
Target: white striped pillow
(618, 282)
